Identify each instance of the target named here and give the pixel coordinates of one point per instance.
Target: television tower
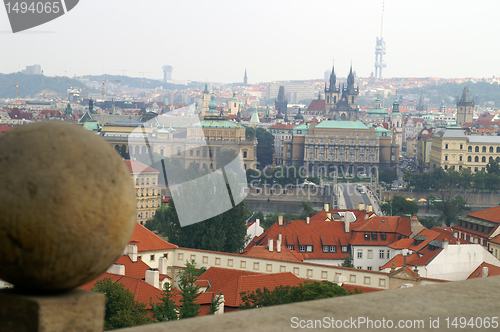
(380, 49)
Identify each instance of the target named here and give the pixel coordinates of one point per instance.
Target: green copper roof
(377, 111)
(91, 125)
(219, 124)
(302, 126)
(334, 124)
(380, 131)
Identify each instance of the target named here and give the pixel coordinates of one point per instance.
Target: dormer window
(290, 247)
(302, 248)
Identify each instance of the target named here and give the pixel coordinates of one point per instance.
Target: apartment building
(454, 150)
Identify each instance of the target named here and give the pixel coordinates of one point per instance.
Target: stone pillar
(76, 310)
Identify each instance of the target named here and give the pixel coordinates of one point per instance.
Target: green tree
(216, 303)
(287, 294)
(493, 167)
(121, 309)
(166, 310)
(450, 208)
(225, 232)
(347, 262)
(189, 291)
(265, 147)
(399, 206)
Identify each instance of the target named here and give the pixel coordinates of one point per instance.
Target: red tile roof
(142, 291)
(492, 271)
(317, 105)
(146, 240)
(322, 232)
(359, 289)
(135, 167)
(284, 255)
(495, 239)
(491, 214)
(135, 270)
(231, 283)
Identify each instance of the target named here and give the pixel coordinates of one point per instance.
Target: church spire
(333, 79)
(245, 78)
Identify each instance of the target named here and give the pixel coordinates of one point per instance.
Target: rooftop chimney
(132, 251)
(445, 244)
(270, 245)
(280, 237)
(329, 215)
(326, 207)
(346, 226)
(369, 208)
(257, 223)
(162, 265)
(361, 206)
(152, 277)
(308, 220)
(280, 220)
(278, 245)
(484, 272)
(118, 269)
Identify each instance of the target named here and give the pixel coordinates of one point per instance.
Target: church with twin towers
(340, 99)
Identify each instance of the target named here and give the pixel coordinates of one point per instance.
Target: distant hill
(133, 82)
(482, 92)
(31, 85)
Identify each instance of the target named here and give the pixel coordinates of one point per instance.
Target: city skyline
(268, 39)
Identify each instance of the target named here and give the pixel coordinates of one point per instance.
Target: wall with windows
(177, 258)
(370, 257)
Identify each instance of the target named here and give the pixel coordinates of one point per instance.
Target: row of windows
(375, 236)
(256, 266)
(483, 149)
(146, 181)
(309, 248)
(382, 254)
(475, 227)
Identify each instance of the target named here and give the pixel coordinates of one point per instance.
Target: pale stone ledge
(471, 298)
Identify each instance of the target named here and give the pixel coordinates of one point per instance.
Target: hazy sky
(274, 39)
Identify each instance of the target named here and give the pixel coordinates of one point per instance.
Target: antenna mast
(380, 48)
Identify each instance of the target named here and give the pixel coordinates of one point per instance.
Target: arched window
(491, 149)
(483, 159)
(498, 149)
(484, 149)
(469, 149)
(476, 149)
(469, 158)
(476, 159)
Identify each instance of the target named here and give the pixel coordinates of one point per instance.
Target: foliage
(347, 262)
(399, 206)
(265, 147)
(216, 302)
(225, 232)
(287, 294)
(441, 180)
(387, 175)
(450, 209)
(429, 222)
(121, 308)
(166, 310)
(189, 291)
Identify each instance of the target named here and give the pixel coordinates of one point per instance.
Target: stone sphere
(67, 206)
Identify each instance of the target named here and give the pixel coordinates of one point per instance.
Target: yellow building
(452, 149)
(148, 194)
